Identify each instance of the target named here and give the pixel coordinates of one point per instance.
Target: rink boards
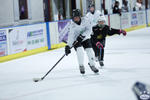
(24, 40)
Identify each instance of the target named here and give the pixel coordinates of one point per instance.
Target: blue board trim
(48, 35)
(146, 18)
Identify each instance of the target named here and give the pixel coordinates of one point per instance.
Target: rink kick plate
(30, 52)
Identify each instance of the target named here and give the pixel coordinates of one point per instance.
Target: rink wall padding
(25, 40)
(115, 21)
(129, 21)
(148, 17)
(30, 52)
(135, 28)
(22, 54)
(56, 46)
(53, 26)
(22, 41)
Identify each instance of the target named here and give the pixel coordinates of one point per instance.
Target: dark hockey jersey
(101, 33)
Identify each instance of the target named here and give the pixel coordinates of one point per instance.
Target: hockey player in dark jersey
(100, 31)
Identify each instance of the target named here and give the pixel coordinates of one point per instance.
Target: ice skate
(82, 69)
(96, 59)
(101, 63)
(93, 68)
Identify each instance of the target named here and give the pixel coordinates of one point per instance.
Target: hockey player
(93, 15)
(79, 37)
(100, 31)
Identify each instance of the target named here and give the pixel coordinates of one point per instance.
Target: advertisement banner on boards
(115, 21)
(125, 20)
(3, 43)
(17, 40)
(63, 29)
(141, 18)
(148, 16)
(134, 19)
(26, 38)
(36, 36)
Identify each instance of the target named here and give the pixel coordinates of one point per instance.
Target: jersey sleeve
(113, 31)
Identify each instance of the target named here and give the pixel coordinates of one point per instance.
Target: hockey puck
(36, 79)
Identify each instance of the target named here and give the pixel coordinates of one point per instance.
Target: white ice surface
(127, 60)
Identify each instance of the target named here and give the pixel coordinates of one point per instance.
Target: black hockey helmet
(91, 5)
(76, 13)
(92, 8)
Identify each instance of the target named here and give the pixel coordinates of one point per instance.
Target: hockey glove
(99, 45)
(67, 50)
(123, 32)
(80, 38)
(141, 90)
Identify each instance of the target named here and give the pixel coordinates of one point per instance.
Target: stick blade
(37, 79)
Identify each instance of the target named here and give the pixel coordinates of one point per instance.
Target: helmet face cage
(91, 5)
(101, 19)
(76, 13)
(91, 8)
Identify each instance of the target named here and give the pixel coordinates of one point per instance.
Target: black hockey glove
(80, 38)
(67, 50)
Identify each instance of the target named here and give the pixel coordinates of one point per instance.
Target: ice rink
(127, 60)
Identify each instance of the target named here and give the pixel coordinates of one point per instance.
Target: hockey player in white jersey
(79, 37)
(93, 15)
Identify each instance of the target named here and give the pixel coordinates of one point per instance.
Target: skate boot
(93, 68)
(96, 59)
(101, 63)
(82, 70)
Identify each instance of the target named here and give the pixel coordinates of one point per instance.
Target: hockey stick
(100, 54)
(40, 79)
(100, 57)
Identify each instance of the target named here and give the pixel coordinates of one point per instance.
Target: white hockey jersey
(75, 30)
(93, 18)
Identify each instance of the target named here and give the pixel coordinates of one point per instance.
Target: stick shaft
(53, 67)
(57, 63)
